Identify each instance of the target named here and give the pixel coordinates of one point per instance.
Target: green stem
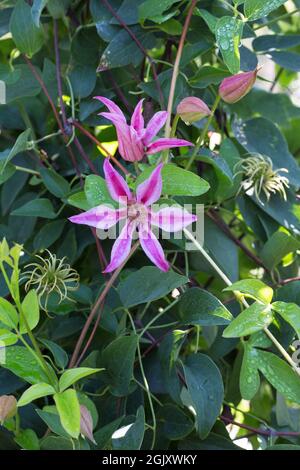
(26, 119)
(203, 133)
(160, 314)
(16, 298)
(27, 170)
(34, 342)
(147, 389)
(240, 298)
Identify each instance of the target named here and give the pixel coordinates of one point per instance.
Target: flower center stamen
(137, 212)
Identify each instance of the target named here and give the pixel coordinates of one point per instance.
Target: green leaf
(55, 183)
(34, 392)
(48, 234)
(205, 386)
(7, 338)
(255, 9)
(254, 288)
(80, 201)
(118, 359)
(132, 435)
(96, 191)
(8, 314)
(151, 9)
(177, 181)
(28, 440)
(252, 136)
(279, 374)
(148, 284)
(50, 416)
(277, 247)
(208, 75)
(57, 443)
(36, 208)
(200, 307)
(209, 19)
(22, 83)
(31, 311)
(174, 423)
(67, 405)
(275, 41)
(228, 36)
(254, 318)
(60, 356)
(19, 146)
(22, 363)
(249, 376)
(70, 376)
(290, 312)
(27, 37)
(104, 434)
(6, 172)
(122, 50)
(36, 10)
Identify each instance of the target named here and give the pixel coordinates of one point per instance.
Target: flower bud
(192, 109)
(86, 423)
(8, 407)
(233, 88)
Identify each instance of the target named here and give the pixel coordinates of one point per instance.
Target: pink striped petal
(135, 152)
(102, 217)
(164, 143)
(154, 126)
(123, 132)
(113, 107)
(172, 219)
(137, 120)
(121, 247)
(116, 184)
(150, 190)
(153, 248)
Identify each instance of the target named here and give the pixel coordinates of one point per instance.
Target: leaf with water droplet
(279, 374)
(253, 319)
(249, 376)
(228, 36)
(290, 312)
(255, 9)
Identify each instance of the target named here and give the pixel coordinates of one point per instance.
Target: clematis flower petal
(113, 107)
(152, 248)
(121, 247)
(123, 132)
(164, 143)
(135, 152)
(154, 126)
(101, 216)
(137, 120)
(116, 184)
(172, 219)
(150, 190)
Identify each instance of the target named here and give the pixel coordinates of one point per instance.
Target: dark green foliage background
(187, 363)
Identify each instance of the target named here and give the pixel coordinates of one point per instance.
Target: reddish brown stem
(94, 139)
(261, 432)
(96, 307)
(221, 224)
(140, 46)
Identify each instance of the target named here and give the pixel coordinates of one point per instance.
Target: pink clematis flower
(135, 140)
(137, 213)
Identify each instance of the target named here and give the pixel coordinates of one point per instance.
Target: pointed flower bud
(192, 109)
(233, 88)
(8, 407)
(86, 423)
